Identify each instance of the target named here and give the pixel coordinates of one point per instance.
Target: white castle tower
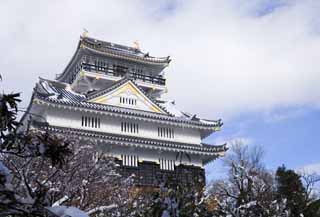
(110, 95)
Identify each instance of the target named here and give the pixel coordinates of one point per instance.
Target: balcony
(120, 71)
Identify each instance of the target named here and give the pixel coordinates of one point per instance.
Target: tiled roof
(121, 50)
(57, 93)
(202, 149)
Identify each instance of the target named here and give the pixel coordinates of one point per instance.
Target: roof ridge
(54, 82)
(108, 43)
(115, 46)
(107, 89)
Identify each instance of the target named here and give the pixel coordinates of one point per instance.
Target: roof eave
(88, 42)
(134, 141)
(59, 77)
(126, 57)
(41, 100)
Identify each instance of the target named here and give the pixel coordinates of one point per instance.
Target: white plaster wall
(70, 118)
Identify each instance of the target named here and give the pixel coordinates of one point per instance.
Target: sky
(252, 63)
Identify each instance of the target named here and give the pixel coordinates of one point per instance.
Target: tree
(176, 200)
(23, 200)
(248, 189)
(251, 190)
(296, 190)
(290, 188)
(39, 169)
(310, 182)
(89, 180)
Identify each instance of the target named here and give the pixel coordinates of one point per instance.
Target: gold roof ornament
(136, 45)
(85, 33)
(82, 74)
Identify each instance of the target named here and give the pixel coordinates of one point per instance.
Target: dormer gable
(125, 93)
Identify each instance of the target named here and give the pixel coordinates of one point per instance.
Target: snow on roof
(172, 109)
(55, 92)
(208, 121)
(60, 92)
(122, 49)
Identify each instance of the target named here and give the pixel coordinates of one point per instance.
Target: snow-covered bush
(250, 190)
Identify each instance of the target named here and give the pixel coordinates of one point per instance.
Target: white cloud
(310, 169)
(231, 140)
(226, 60)
(277, 116)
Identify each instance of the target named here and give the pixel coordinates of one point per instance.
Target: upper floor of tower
(97, 64)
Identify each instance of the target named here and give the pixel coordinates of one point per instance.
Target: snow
(47, 87)
(102, 209)
(54, 94)
(207, 122)
(68, 88)
(5, 172)
(165, 214)
(172, 109)
(64, 211)
(3, 169)
(42, 148)
(248, 205)
(60, 201)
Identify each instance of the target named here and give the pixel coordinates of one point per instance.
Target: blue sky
(290, 138)
(253, 63)
(289, 135)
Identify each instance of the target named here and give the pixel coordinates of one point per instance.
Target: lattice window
(128, 101)
(130, 160)
(89, 121)
(128, 127)
(166, 164)
(164, 132)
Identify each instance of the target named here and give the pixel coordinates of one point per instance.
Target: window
(128, 127)
(138, 70)
(130, 160)
(166, 164)
(165, 132)
(93, 122)
(128, 101)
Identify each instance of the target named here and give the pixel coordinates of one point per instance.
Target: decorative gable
(127, 95)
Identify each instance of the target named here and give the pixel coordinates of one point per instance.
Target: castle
(111, 95)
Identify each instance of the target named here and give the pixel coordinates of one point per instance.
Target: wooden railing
(119, 71)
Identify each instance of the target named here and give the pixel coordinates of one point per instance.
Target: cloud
(228, 56)
(231, 140)
(284, 114)
(310, 169)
